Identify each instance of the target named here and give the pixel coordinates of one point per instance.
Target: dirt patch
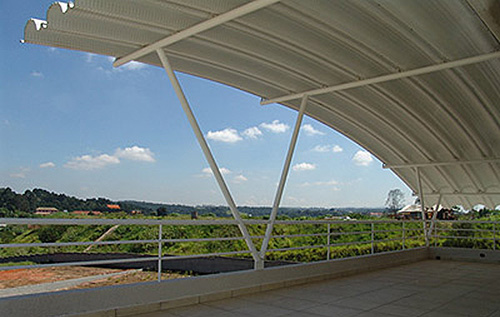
(23, 277)
(129, 278)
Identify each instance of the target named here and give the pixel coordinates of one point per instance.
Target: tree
(162, 211)
(395, 199)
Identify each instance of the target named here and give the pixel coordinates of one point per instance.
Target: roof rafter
(195, 29)
(385, 78)
(432, 164)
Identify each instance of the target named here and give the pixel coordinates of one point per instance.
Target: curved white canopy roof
(438, 109)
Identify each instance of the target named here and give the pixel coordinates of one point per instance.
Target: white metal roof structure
(417, 83)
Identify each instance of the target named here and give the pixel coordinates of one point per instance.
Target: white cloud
(275, 126)
(135, 153)
(21, 174)
(294, 200)
(47, 165)
(36, 74)
(207, 171)
(252, 133)
(337, 149)
(133, 65)
(88, 162)
(227, 135)
(327, 183)
(328, 148)
(310, 130)
(362, 158)
(89, 57)
(304, 167)
(321, 148)
(240, 179)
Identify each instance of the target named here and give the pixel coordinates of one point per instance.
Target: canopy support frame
(422, 205)
(258, 263)
(283, 178)
(195, 29)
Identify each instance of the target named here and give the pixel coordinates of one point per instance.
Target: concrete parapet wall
(128, 300)
(461, 254)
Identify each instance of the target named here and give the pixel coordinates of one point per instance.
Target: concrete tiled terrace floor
(428, 288)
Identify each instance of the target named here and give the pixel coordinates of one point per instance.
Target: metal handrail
(367, 237)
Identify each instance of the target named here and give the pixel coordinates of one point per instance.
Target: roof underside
(295, 46)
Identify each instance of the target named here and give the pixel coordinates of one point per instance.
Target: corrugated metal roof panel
(295, 46)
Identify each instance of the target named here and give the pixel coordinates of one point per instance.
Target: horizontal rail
(181, 222)
(79, 263)
(464, 237)
(194, 256)
(336, 228)
(467, 221)
(468, 230)
(117, 242)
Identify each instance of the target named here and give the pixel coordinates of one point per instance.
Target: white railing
(466, 233)
(356, 238)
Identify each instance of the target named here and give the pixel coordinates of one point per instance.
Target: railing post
(494, 236)
(159, 251)
(328, 243)
(373, 237)
(435, 235)
(404, 235)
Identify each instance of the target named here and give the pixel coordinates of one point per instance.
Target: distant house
(81, 212)
(112, 207)
(376, 214)
(410, 212)
(46, 210)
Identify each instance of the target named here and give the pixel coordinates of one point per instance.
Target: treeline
(32, 199)
(12, 204)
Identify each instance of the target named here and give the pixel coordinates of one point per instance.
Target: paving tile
(158, 314)
(374, 314)
(229, 304)
(316, 297)
(333, 310)
(358, 303)
(256, 309)
(293, 303)
(428, 289)
(199, 311)
(403, 311)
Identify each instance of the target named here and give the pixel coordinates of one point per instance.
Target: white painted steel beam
(434, 215)
(464, 194)
(195, 29)
(385, 78)
(448, 163)
(208, 154)
(422, 204)
(284, 175)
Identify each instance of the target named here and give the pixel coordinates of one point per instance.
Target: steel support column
(160, 252)
(422, 205)
(284, 175)
(434, 216)
(209, 157)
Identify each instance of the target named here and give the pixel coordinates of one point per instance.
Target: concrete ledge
(127, 300)
(460, 254)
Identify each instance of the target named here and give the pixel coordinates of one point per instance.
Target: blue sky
(71, 123)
